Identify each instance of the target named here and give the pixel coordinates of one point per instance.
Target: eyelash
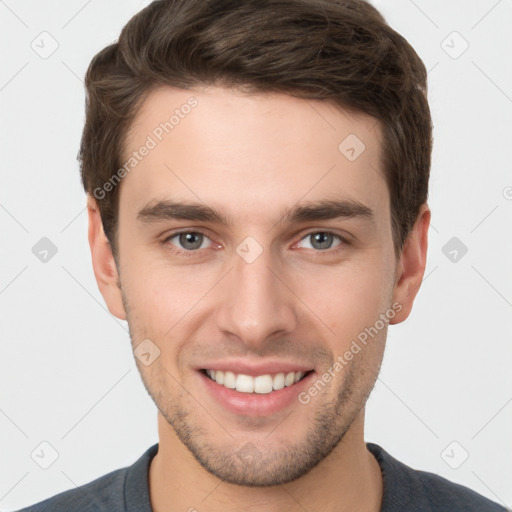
(318, 252)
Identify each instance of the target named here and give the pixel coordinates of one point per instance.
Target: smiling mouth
(261, 384)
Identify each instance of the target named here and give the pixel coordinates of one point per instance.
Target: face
(255, 252)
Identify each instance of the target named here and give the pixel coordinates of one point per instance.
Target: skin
(253, 157)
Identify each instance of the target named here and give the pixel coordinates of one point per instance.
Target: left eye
(321, 240)
(190, 240)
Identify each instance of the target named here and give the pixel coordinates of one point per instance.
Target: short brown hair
(341, 51)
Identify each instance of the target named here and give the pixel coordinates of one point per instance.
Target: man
(257, 179)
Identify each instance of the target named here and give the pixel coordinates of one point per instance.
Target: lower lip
(255, 404)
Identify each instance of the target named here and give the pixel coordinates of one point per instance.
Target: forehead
(250, 154)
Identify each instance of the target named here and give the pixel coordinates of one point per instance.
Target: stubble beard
(245, 464)
(251, 466)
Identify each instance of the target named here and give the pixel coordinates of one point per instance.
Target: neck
(349, 479)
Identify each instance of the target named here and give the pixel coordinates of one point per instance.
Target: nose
(255, 304)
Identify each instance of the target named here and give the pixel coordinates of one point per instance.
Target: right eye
(189, 241)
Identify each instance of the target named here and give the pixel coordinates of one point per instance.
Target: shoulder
(108, 493)
(410, 489)
(442, 494)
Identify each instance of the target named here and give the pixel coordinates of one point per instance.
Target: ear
(105, 269)
(411, 265)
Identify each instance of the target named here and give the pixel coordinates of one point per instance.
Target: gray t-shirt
(405, 490)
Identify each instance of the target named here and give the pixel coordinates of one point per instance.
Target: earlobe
(411, 265)
(104, 265)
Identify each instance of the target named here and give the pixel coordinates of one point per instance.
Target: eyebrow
(312, 211)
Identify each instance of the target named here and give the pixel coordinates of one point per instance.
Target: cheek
(346, 299)
(160, 294)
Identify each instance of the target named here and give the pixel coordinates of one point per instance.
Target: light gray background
(67, 374)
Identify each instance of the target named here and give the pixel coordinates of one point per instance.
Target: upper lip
(253, 368)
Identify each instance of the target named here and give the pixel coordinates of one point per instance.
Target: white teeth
(244, 383)
(278, 381)
(229, 380)
(261, 384)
